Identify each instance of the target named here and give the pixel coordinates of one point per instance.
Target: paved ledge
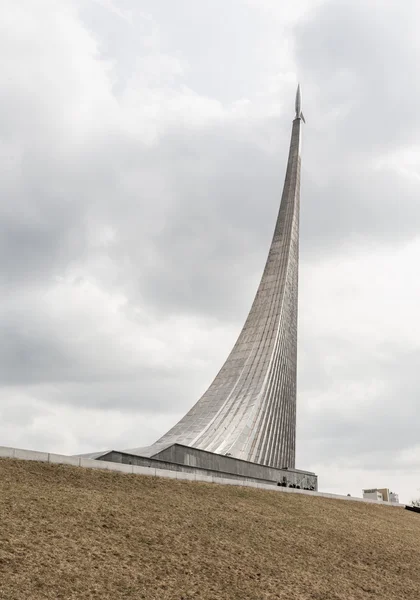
(88, 463)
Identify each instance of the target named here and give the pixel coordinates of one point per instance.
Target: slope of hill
(72, 533)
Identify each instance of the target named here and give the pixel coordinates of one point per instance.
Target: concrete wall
(17, 453)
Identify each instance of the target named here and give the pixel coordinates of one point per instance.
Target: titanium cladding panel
(249, 411)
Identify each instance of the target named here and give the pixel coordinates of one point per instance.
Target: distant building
(373, 494)
(381, 494)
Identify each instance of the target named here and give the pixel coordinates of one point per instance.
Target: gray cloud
(361, 74)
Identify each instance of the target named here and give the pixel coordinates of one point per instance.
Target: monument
(248, 414)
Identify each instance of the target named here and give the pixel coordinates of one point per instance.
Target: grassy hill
(68, 532)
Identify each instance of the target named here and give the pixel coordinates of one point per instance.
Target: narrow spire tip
(298, 105)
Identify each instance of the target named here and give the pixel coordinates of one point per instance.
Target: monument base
(177, 457)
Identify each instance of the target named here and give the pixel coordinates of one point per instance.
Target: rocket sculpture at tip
(298, 104)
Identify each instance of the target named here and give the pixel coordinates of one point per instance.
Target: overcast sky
(143, 146)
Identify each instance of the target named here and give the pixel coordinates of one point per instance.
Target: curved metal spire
(249, 411)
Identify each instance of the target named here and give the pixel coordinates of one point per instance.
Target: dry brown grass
(68, 533)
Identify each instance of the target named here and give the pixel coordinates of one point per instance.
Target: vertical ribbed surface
(249, 411)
